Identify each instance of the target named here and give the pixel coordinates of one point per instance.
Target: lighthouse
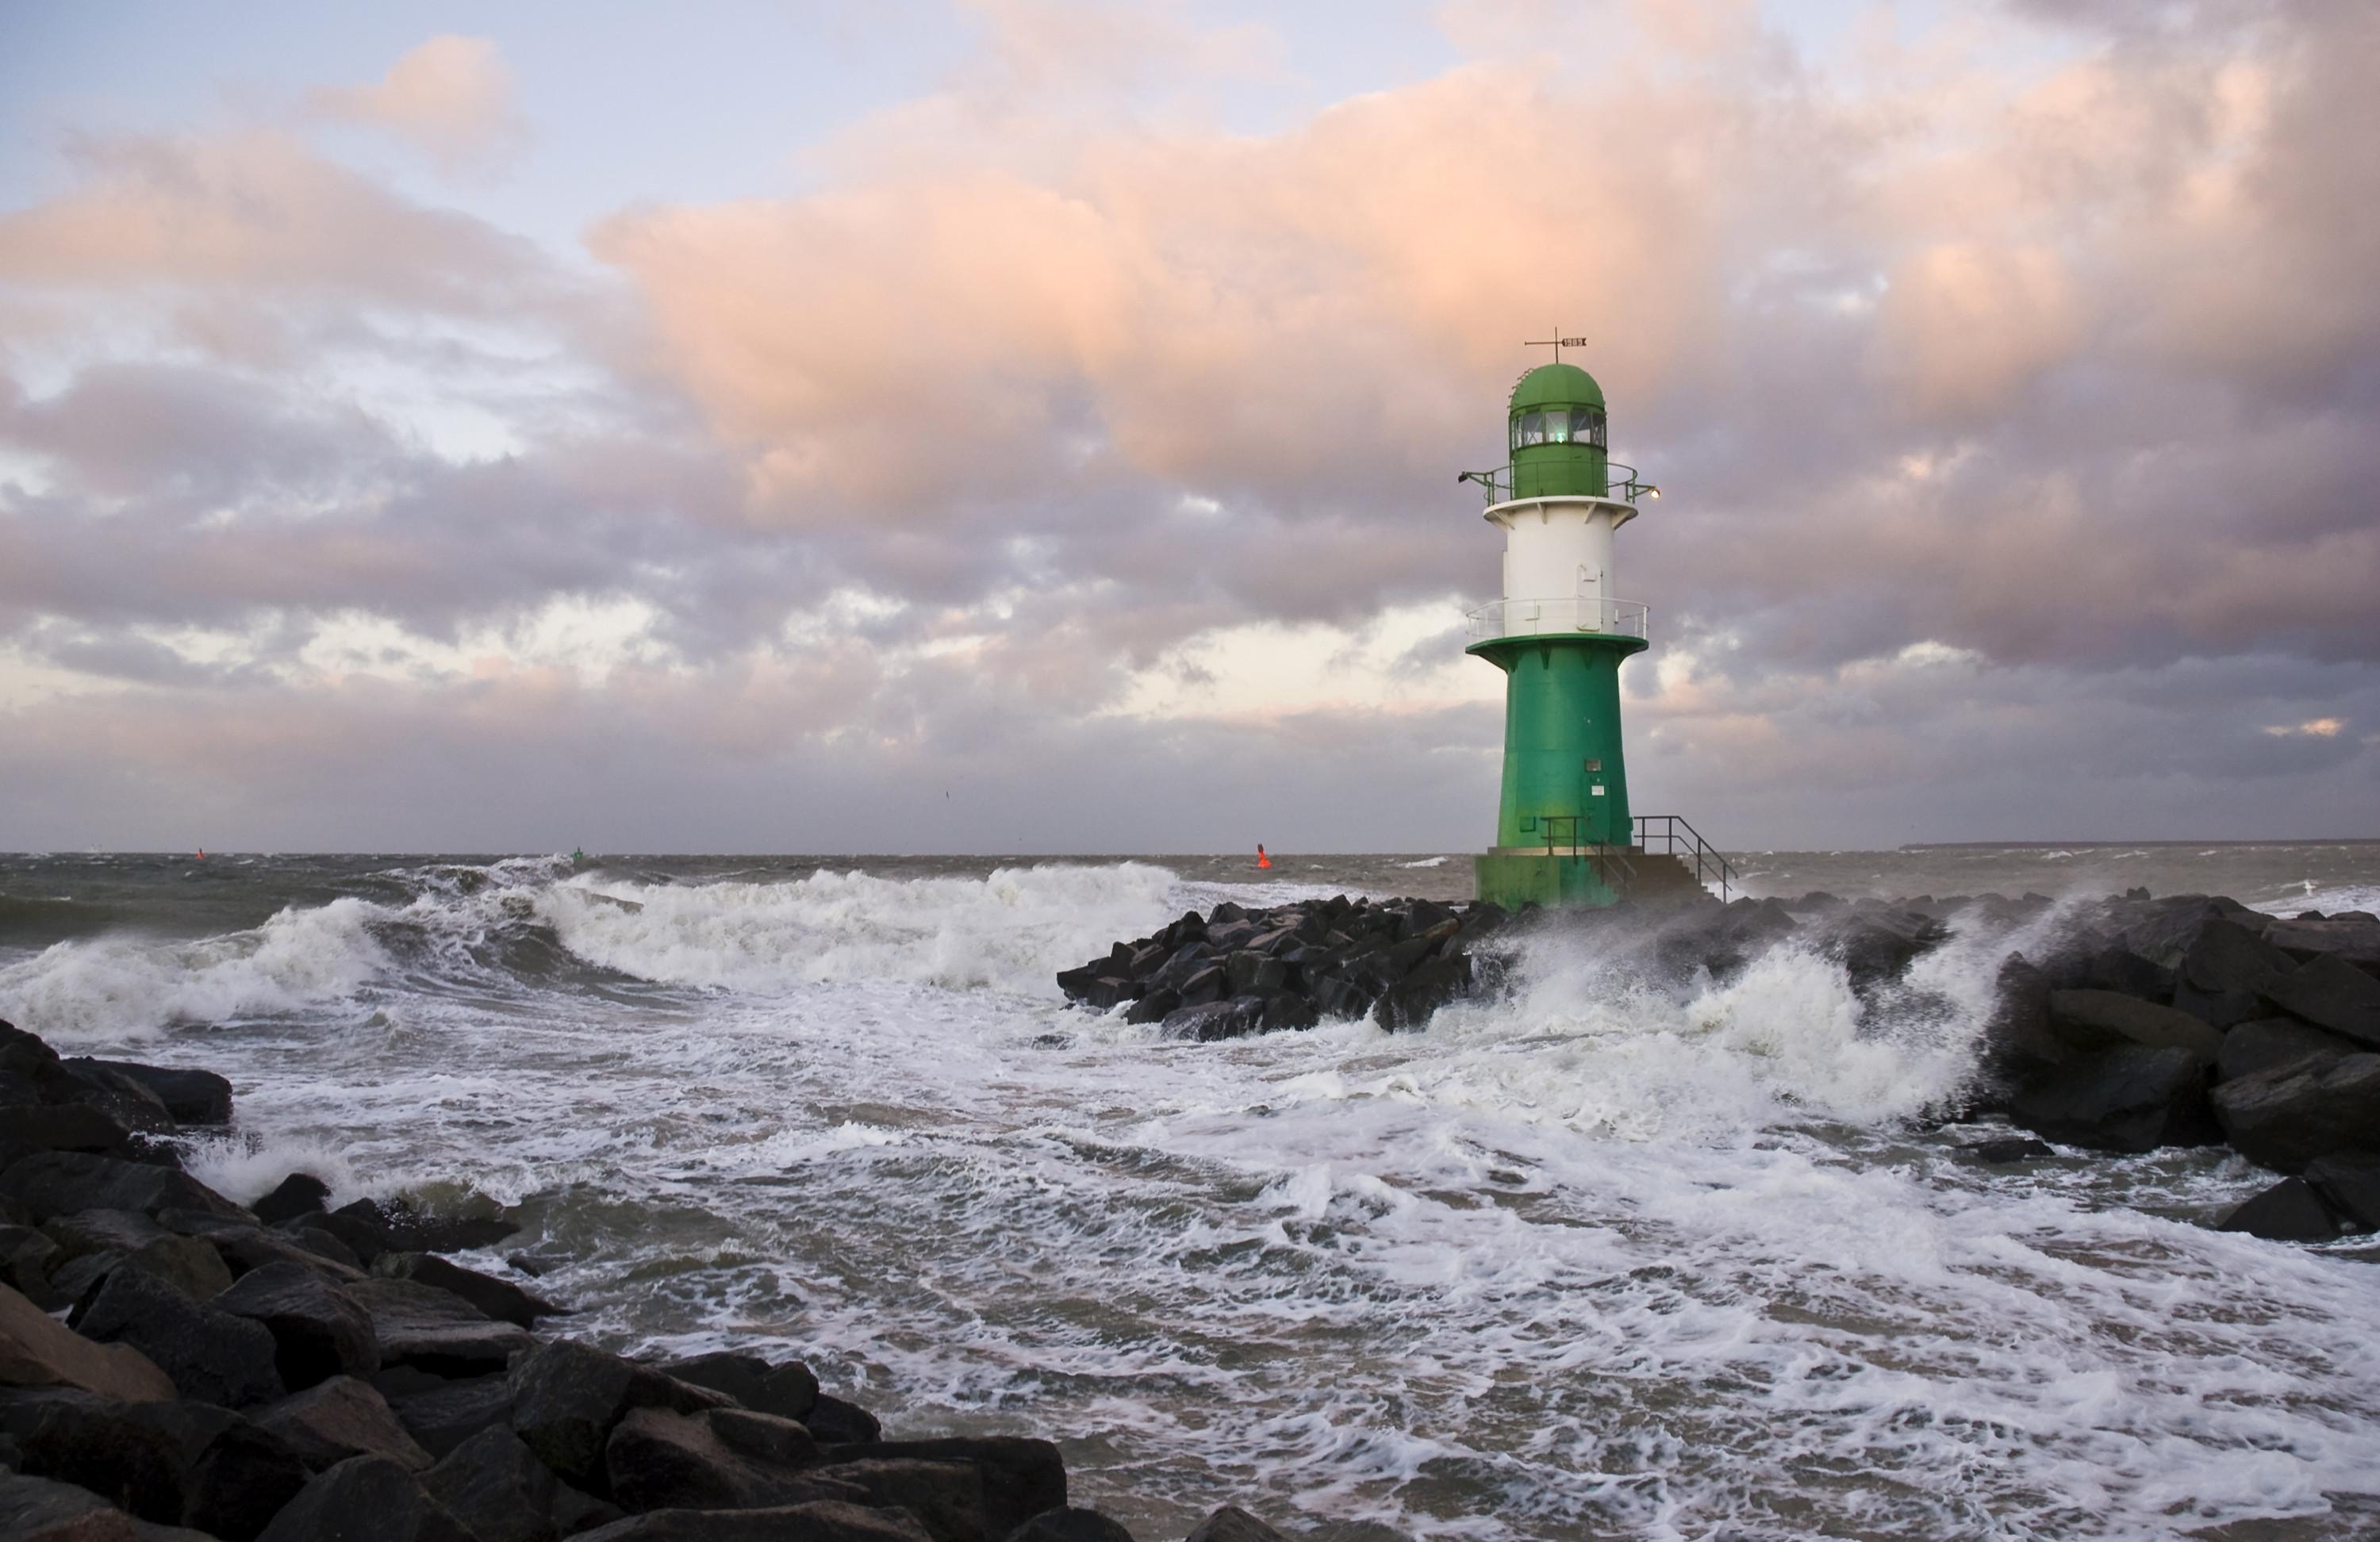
(1564, 835)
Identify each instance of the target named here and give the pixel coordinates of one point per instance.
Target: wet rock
(2126, 973)
(95, 1443)
(2332, 994)
(300, 1194)
(317, 1331)
(187, 1264)
(2130, 1099)
(87, 1081)
(2091, 1020)
(26, 1256)
(2289, 1211)
(826, 1520)
(67, 1127)
(497, 1487)
(342, 1418)
(2017, 1038)
(2288, 1115)
(2352, 940)
(36, 1349)
(2351, 1187)
(659, 1460)
(833, 1421)
(307, 1235)
(368, 1498)
(210, 1354)
(498, 1299)
(52, 1184)
(191, 1096)
(1021, 1477)
(41, 1509)
(2215, 980)
(1070, 1525)
(235, 1476)
(946, 1497)
(2005, 1149)
(1155, 1007)
(1284, 1013)
(1236, 1018)
(245, 1249)
(443, 1417)
(1878, 944)
(567, 1398)
(786, 1389)
(576, 1510)
(371, 1228)
(443, 1334)
(1413, 1000)
(2265, 1042)
(1232, 1524)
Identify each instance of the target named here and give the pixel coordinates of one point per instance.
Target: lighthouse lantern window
(1529, 429)
(1587, 426)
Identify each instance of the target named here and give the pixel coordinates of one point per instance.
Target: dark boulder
(364, 1498)
(2351, 1187)
(2121, 970)
(1021, 1477)
(300, 1194)
(2128, 1098)
(371, 1228)
(1236, 1018)
(499, 1299)
(495, 1486)
(1155, 1007)
(442, 1416)
(2216, 981)
(38, 1351)
(786, 1389)
(52, 1184)
(2332, 994)
(1232, 1524)
(96, 1443)
(2289, 1211)
(429, 1328)
(26, 1256)
(240, 1480)
(42, 1510)
(317, 1331)
(2004, 1149)
(823, 1521)
(2286, 1116)
(87, 1081)
(833, 1421)
(212, 1355)
(68, 1127)
(2091, 1020)
(2265, 1042)
(1070, 1525)
(946, 1497)
(567, 1398)
(2017, 1043)
(659, 1460)
(192, 1096)
(1413, 1000)
(187, 1264)
(342, 1418)
(1873, 944)
(2352, 939)
(1285, 1012)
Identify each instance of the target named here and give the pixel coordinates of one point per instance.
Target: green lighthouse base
(1535, 875)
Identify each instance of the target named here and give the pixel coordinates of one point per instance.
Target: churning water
(1599, 1259)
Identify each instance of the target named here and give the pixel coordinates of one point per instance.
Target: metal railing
(1530, 618)
(1711, 863)
(1624, 481)
(1617, 871)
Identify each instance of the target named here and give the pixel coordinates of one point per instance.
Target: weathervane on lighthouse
(1564, 835)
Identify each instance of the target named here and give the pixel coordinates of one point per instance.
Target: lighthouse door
(1590, 598)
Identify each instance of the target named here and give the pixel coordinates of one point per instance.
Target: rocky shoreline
(2132, 1022)
(175, 1366)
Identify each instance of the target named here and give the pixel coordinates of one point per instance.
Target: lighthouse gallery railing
(1572, 615)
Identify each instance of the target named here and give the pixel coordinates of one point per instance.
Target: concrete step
(1664, 877)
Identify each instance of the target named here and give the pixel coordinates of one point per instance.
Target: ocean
(1591, 1260)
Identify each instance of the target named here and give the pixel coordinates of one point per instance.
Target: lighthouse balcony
(1568, 617)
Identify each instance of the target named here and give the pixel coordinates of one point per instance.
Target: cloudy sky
(1026, 425)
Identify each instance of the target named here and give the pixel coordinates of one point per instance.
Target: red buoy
(1262, 860)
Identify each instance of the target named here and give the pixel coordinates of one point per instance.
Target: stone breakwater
(2127, 1023)
(176, 1365)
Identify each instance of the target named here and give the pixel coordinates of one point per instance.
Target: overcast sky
(1032, 426)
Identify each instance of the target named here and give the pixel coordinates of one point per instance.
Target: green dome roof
(1556, 385)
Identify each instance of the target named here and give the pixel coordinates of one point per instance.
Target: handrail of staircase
(1710, 861)
(1600, 852)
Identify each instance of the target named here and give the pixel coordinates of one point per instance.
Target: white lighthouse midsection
(1559, 548)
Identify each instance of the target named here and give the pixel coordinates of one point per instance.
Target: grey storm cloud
(2014, 436)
